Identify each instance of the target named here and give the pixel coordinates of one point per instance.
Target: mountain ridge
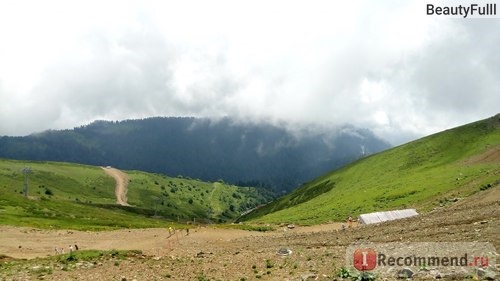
(257, 154)
(426, 174)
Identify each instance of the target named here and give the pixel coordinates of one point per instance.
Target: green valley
(73, 196)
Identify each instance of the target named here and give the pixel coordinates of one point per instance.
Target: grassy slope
(422, 174)
(187, 199)
(76, 196)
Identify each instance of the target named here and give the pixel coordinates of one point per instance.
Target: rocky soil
(315, 253)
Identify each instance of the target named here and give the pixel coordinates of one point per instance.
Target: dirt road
(224, 254)
(27, 243)
(121, 184)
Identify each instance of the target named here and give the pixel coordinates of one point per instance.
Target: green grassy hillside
(426, 173)
(63, 195)
(188, 199)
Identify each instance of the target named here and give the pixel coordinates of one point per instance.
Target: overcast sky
(383, 65)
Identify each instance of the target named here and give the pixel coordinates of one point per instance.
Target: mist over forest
(249, 154)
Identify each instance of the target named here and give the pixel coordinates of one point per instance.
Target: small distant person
(70, 249)
(76, 247)
(349, 221)
(187, 231)
(56, 250)
(170, 231)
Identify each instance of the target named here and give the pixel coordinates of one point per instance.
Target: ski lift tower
(26, 171)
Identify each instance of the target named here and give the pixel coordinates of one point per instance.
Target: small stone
(490, 276)
(486, 274)
(480, 272)
(200, 254)
(405, 273)
(284, 252)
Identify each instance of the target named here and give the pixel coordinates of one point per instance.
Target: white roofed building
(386, 216)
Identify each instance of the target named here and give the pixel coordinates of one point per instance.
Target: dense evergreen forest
(256, 154)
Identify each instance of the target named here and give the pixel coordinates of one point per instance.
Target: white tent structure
(386, 216)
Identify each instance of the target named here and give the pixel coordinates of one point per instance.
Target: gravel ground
(317, 253)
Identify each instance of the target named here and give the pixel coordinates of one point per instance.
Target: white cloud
(383, 65)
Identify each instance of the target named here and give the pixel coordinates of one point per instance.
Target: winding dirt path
(121, 184)
(232, 254)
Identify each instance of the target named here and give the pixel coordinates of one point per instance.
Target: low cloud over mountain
(243, 153)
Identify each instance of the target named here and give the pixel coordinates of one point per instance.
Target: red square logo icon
(365, 259)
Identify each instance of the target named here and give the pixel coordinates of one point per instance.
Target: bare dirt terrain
(28, 243)
(121, 184)
(224, 254)
(491, 155)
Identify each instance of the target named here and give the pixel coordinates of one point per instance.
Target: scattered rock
(490, 276)
(202, 254)
(405, 273)
(284, 252)
(481, 272)
(486, 274)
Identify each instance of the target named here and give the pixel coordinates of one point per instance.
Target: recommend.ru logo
(427, 259)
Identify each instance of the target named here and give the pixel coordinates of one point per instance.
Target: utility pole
(26, 171)
(156, 201)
